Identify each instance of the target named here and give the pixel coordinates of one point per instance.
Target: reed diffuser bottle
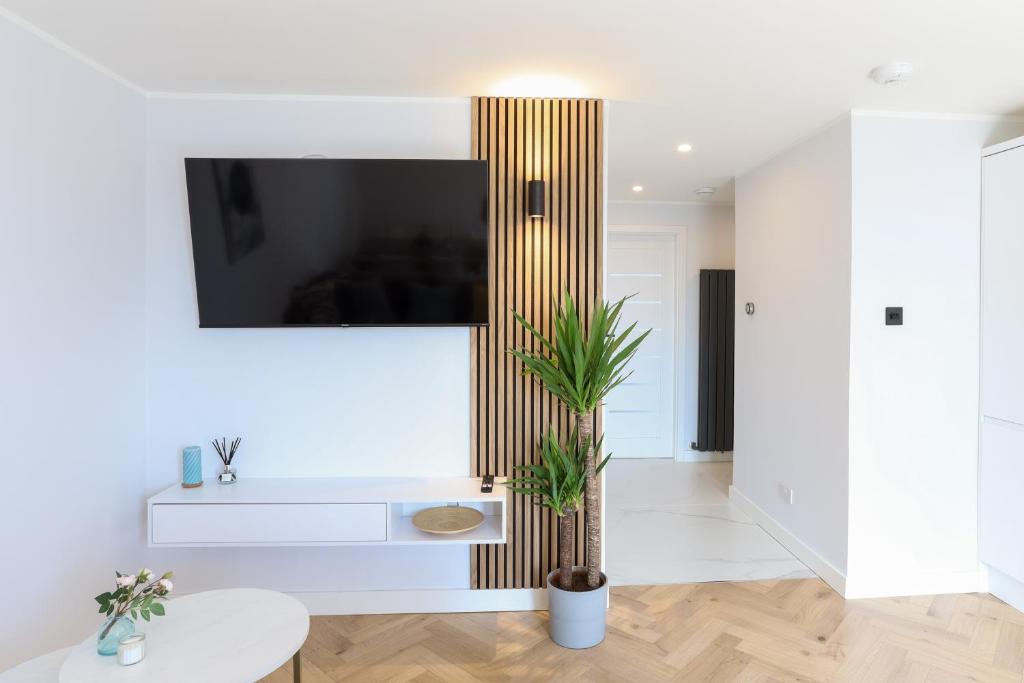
(227, 455)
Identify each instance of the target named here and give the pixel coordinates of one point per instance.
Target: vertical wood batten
(475, 336)
(533, 260)
(517, 276)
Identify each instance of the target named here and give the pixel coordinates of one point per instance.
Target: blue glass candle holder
(191, 467)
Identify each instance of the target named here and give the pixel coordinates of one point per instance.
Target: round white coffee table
(43, 669)
(225, 636)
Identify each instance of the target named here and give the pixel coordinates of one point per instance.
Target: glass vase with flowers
(134, 596)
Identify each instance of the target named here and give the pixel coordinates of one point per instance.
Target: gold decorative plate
(447, 520)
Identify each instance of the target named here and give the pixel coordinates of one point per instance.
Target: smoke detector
(892, 73)
(704, 191)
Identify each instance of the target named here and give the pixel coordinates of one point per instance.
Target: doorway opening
(668, 514)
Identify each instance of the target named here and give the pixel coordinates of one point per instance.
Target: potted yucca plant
(580, 366)
(558, 483)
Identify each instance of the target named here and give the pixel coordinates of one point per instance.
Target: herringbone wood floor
(752, 631)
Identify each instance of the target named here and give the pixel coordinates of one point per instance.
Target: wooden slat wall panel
(559, 141)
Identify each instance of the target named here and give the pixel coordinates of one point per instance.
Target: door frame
(679, 235)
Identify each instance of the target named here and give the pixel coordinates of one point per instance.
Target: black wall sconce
(535, 199)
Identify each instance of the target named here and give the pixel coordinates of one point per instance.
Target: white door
(640, 413)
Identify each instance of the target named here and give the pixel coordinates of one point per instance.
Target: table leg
(297, 667)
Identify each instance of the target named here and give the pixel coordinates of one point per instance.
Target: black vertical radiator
(717, 347)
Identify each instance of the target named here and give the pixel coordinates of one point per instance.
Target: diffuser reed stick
(226, 453)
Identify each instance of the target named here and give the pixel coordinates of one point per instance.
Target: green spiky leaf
(583, 362)
(559, 481)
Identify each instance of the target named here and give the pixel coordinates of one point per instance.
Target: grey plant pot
(577, 618)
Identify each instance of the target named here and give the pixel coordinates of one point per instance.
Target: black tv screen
(336, 242)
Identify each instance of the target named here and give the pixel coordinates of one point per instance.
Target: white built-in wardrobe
(1001, 472)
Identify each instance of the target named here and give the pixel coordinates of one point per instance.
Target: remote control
(488, 484)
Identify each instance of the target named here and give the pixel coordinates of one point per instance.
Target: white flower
(145, 574)
(165, 585)
(127, 581)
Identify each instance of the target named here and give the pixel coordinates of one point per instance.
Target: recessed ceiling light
(704, 191)
(638, 188)
(892, 73)
(685, 147)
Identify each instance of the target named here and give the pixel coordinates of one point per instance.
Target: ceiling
(738, 79)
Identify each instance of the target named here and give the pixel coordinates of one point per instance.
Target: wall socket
(786, 493)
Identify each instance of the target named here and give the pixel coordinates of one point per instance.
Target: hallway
(672, 522)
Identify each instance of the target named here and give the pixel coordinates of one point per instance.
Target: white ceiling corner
(738, 79)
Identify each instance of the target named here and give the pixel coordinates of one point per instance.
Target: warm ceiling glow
(539, 85)
(638, 188)
(685, 147)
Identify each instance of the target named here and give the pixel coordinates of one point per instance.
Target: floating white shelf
(404, 533)
(318, 512)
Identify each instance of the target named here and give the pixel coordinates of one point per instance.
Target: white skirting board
(815, 562)
(861, 586)
(1006, 588)
(423, 601)
(690, 455)
(914, 583)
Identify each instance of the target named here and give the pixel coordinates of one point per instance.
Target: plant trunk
(566, 549)
(592, 498)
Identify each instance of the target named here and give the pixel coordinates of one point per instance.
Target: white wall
(307, 402)
(71, 347)
(793, 231)
(880, 210)
(914, 389)
(709, 231)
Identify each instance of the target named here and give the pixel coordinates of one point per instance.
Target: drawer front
(266, 524)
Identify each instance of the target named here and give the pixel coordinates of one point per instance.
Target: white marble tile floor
(672, 522)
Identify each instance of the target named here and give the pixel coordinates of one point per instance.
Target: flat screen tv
(338, 242)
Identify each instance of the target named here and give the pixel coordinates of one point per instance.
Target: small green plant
(559, 483)
(580, 366)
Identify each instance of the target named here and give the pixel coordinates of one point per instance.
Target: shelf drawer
(241, 524)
